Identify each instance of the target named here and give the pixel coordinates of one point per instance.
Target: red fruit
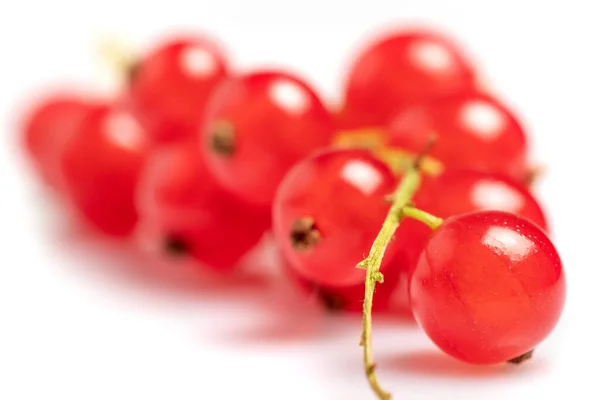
(401, 69)
(101, 165)
(183, 210)
(170, 87)
(346, 298)
(327, 212)
(489, 287)
(473, 130)
(461, 191)
(457, 192)
(50, 122)
(257, 127)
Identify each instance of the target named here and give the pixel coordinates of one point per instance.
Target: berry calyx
(522, 358)
(304, 234)
(489, 287)
(222, 138)
(174, 245)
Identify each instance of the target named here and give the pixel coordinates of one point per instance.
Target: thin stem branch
(428, 219)
(402, 197)
(117, 57)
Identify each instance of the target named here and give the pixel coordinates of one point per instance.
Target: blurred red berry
(46, 128)
(401, 69)
(258, 126)
(184, 211)
(473, 130)
(101, 164)
(170, 86)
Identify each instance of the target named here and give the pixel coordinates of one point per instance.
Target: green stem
(428, 219)
(402, 197)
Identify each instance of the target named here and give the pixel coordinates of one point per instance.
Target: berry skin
(170, 87)
(473, 130)
(101, 165)
(489, 287)
(457, 192)
(184, 212)
(461, 191)
(48, 125)
(327, 212)
(346, 298)
(257, 127)
(401, 69)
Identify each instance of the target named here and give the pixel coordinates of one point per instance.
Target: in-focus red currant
(49, 123)
(401, 69)
(170, 86)
(327, 212)
(101, 165)
(457, 192)
(184, 212)
(473, 130)
(489, 287)
(258, 126)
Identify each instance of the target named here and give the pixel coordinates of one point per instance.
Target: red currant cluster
(201, 160)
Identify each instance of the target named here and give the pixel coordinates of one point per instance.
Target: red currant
(170, 87)
(346, 298)
(50, 122)
(457, 192)
(257, 127)
(401, 69)
(327, 212)
(461, 191)
(184, 212)
(101, 164)
(489, 287)
(473, 130)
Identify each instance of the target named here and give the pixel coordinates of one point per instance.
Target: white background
(81, 321)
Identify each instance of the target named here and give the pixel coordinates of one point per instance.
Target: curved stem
(368, 137)
(116, 56)
(402, 196)
(428, 219)
(400, 160)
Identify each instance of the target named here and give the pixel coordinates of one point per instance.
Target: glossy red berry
(49, 123)
(101, 165)
(327, 212)
(461, 191)
(170, 86)
(457, 192)
(473, 130)
(257, 127)
(489, 287)
(184, 212)
(401, 69)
